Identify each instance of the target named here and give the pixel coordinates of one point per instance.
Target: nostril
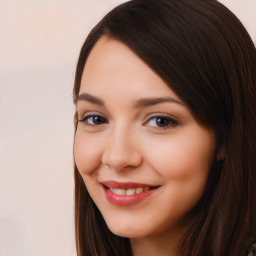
(120, 159)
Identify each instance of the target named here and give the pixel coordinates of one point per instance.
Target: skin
(126, 143)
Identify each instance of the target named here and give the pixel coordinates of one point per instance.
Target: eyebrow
(90, 98)
(146, 102)
(141, 103)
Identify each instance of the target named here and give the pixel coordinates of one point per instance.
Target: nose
(122, 151)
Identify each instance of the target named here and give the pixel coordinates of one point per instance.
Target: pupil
(162, 122)
(98, 120)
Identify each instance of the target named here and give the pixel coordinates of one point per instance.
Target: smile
(129, 191)
(126, 194)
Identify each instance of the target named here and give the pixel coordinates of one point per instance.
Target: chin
(128, 230)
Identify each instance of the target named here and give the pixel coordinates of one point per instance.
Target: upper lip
(116, 184)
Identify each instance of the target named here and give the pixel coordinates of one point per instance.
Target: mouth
(127, 193)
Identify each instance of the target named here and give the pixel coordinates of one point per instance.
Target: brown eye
(98, 120)
(94, 120)
(162, 122)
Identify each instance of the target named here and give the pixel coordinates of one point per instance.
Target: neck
(164, 244)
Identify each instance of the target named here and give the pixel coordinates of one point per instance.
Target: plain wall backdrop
(39, 46)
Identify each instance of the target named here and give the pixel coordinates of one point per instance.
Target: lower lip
(121, 200)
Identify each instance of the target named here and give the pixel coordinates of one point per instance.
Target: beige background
(39, 45)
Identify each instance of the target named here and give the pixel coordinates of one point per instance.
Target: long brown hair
(207, 58)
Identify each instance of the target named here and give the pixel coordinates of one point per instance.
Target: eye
(162, 122)
(94, 120)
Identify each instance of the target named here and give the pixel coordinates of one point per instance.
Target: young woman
(165, 132)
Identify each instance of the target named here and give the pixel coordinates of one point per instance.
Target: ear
(221, 154)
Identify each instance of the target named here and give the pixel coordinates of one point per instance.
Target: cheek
(183, 157)
(87, 153)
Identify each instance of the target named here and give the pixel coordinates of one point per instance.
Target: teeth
(139, 190)
(129, 191)
(119, 191)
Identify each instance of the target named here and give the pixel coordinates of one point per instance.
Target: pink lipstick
(127, 193)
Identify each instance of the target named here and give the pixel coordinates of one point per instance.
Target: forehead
(113, 66)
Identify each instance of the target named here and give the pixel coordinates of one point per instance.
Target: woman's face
(142, 155)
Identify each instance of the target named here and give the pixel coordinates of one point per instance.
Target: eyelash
(86, 118)
(168, 121)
